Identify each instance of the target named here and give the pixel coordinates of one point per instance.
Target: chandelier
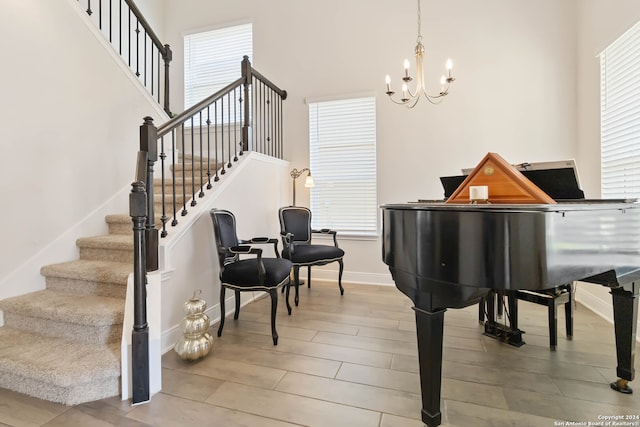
(410, 98)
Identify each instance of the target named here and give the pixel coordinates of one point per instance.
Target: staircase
(62, 344)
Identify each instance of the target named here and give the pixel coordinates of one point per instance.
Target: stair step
(168, 184)
(58, 370)
(122, 224)
(196, 165)
(112, 247)
(85, 318)
(88, 277)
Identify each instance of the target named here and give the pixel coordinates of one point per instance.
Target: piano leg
(429, 327)
(625, 318)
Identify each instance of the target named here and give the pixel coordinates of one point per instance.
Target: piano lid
(558, 179)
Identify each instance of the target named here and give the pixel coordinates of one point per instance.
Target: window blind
(212, 60)
(620, 116)
(342, 149)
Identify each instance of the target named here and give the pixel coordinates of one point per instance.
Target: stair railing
(123, 25)
(246, 115)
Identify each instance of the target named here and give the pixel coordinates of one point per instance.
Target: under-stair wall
(253, 189)
(79, 141)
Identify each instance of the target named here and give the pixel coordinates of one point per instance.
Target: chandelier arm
(395, 101)
(435, 100)
(441, 94)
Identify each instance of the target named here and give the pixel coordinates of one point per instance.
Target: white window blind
(620, 116)
(342, 146)
(212, 60)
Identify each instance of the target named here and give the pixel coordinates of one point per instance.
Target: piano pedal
(622, 386)
(504, 333)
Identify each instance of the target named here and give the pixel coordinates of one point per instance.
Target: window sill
(346, 236)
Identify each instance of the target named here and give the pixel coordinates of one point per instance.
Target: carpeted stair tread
(54, 360)
(168, 183)
(66, 308)
(109, 241)
(121, 223)
(99, 271)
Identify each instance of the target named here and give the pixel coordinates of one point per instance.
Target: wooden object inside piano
(506, 184)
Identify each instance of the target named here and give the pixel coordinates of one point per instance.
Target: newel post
(140, 332)
(247, 134)
(149, 144)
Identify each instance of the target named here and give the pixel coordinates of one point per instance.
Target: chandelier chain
(419, 24)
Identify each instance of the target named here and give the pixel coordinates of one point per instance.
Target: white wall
(253, 190)
(514, 95)
(69, 136)
(600, 23)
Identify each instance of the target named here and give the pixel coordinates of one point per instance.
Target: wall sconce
(295, 174)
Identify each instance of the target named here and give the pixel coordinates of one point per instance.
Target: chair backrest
(224, 230)
(296, 220)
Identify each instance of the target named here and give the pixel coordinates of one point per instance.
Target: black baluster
(267, 124)
(152, 67)
(144, 63)
(166, 56)
(137, 48)
(174, 222)
(184, 180)
(222, 170)
(215, 137)
(209, 148)
(201, 194)
(120, 27)
(235, 125)
(163, 218)
(229, 128)
(193, 166)
(243, 143)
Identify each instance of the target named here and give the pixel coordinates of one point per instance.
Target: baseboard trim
(362, 278)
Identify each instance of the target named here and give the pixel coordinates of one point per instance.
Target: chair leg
(221, 310)
(237, 313)
(274, 309)
(481, 310)
(340, 276)
(568, 312)
(309, 277)
(296, 275)
(288, 286)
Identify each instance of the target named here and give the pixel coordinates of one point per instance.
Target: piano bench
(552, 298)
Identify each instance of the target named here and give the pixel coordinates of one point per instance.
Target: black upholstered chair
(248, 274)
(296, 232)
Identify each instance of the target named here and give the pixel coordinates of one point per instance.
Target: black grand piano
(450, 255)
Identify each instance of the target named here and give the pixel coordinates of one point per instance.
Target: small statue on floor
(196, 342)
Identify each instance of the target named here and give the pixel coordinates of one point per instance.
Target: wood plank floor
(352, 361)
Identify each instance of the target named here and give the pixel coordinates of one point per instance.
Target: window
(342, 146)
(620, 116)
(212, 60)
